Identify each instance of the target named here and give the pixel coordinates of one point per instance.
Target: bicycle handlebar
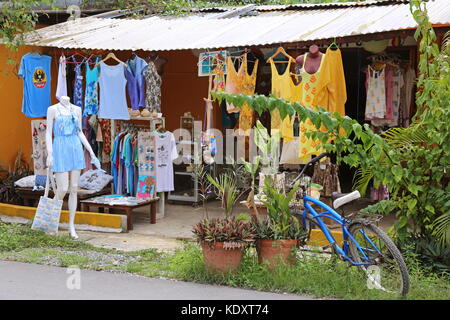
(312, 161)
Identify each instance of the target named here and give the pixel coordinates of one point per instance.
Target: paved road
(31, 281)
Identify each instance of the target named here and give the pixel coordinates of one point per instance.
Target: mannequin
(65, 152)
(313, 61)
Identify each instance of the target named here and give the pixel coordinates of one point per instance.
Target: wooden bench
(101, 204)
(31, 198)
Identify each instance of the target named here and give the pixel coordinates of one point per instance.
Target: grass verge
(312, 275)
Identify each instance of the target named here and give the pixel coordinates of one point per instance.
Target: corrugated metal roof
(304, 6)
(158, 34)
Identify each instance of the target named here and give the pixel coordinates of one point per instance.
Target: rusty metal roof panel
(158, 34)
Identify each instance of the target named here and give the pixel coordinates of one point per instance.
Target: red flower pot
(274, 252)
(220, 260)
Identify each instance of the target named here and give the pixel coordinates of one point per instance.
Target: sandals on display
(134, 113)
(145, 113)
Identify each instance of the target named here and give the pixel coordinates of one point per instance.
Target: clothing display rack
(140, 123)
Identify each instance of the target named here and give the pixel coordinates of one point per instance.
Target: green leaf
(357, 129)
(430, 208)
(411, 203)
(398, 172)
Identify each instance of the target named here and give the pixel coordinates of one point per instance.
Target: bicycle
(364, 244)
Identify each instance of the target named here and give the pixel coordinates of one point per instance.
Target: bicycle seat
(339, 199)
(337, 195)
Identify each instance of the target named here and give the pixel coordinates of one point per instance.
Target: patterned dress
(91, 96)
(376, 94)
(308, 146)
(246, 116)
(78, 85)
(153, 93)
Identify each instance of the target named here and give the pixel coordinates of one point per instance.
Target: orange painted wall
(15, 127)
(182, 90)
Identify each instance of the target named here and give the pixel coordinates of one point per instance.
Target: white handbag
(48, 211)
(290, 152)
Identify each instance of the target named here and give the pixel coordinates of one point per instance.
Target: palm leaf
(362, 179)
(402, 137)
(441, 228)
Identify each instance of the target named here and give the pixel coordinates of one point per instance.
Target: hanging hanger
(111, 55)
(333, 44)
(71, 59)
(282, 51)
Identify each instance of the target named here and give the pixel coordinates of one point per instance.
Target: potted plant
(280, 234)
(223, 241)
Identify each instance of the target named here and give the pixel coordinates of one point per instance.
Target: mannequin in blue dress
(65, 141)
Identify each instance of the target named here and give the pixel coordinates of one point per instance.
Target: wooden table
(31, 198)
(128, 208)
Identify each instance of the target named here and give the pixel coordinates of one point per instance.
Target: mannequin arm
(299, 59)
(84, 141)
(48, 136)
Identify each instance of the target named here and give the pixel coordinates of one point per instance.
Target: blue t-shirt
(35, 71)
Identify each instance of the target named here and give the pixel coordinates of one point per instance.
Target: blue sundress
(68, 152)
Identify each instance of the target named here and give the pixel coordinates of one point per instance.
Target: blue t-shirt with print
(35, 71)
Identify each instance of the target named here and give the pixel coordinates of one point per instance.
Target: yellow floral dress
(308, 146)
(246, 116)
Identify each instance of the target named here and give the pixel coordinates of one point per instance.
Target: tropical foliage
(226, 189)
(414, 162)
(280, 224)
(16, 18)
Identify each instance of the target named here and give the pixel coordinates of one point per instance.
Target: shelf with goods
(190, 147)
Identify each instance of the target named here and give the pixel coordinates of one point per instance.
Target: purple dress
(136, 82)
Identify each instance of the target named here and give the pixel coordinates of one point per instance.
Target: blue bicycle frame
(333, 215)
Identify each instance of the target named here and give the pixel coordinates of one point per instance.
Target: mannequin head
(314, 50)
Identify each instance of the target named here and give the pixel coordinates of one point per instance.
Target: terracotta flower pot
(220, 260)
(274, 252)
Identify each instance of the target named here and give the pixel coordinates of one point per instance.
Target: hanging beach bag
(48, 211)
(290, 152)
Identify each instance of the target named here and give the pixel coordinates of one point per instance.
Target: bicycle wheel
(386, 270)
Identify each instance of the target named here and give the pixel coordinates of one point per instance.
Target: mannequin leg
(62, 184)
(73, 197)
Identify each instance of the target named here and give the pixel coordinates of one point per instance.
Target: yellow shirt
(281, 88)
(331, 89)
